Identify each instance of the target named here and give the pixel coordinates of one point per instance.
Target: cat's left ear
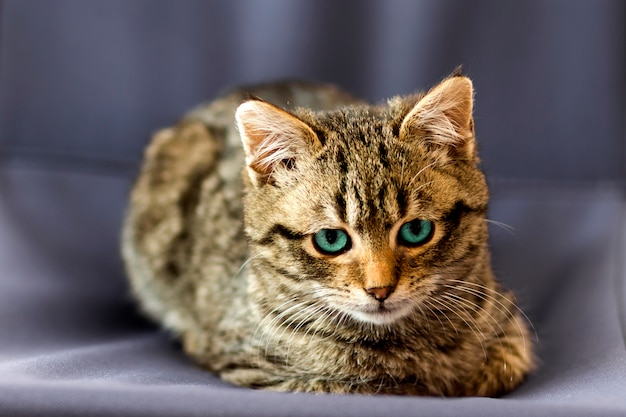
(442, 119)
(274, 141)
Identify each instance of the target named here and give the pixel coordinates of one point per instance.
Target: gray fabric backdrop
(83, 83)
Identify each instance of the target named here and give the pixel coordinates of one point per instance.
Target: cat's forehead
(362, 136)
(355, 124)
(369, 177)
(366, 170)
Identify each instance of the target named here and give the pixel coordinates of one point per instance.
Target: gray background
(84, 83)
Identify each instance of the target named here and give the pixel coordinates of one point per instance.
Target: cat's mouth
(382, 313)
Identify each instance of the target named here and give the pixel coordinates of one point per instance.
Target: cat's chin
(381, 315)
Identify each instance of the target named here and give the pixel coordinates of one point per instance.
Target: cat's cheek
(291, 261)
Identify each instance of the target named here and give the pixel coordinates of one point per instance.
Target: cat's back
(284, 94)
(184, 220)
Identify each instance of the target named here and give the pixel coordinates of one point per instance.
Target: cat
(296, 238)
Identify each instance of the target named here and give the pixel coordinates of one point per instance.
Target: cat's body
(362, 264)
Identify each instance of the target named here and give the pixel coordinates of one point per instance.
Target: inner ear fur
(442, 118)
(273, 139)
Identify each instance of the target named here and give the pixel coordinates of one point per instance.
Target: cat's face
(365, 211)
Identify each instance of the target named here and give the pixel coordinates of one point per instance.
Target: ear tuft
(273, 140)
(443, 118)
(458, 72)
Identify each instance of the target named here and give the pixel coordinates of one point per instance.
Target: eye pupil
(331, 241)
(415, 233)
(331, 236)
(415, 228)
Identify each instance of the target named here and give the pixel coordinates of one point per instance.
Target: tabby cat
(342, 248)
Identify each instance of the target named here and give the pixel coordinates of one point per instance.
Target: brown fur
(219, 244)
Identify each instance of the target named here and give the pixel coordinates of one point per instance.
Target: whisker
(268, 316)
(431, 305)
(475, 330)
(302, 322)
(342, 316)
(245, 264)
(415, 178)
(500, 307)
(489, 315)
(501, 225)
(269, 329)
(272, 318)
(422, 170)
(324, 319)
(423, 185)
(402, 171)
(317, 325)
(300, 317)
(510, 313)
(425, 317)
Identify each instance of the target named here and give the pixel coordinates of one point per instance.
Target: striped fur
(218, 244)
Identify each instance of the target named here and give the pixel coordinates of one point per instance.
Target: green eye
(331, 241)
(415, 233)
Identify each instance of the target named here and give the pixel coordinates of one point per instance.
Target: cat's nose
(380, 293)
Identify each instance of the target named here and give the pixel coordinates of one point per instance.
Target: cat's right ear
(442, 119)
(273, 140)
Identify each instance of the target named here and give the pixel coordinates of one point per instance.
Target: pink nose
(380, 293)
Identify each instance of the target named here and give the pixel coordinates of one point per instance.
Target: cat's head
(364, 210)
